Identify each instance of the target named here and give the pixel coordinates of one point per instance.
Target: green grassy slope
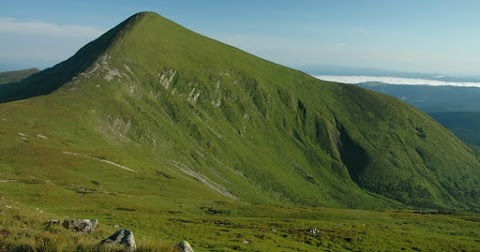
(456, 108)
(13, 76)
(155, 118)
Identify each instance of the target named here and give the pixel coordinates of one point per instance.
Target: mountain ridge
(157, 98)
(65, 71)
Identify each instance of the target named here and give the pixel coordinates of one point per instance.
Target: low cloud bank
(394, 80)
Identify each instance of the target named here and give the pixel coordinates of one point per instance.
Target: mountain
(13, 76)
(165, 118)
(432, 98)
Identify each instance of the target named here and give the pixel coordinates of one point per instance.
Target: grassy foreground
(258, 228)
(24, 229)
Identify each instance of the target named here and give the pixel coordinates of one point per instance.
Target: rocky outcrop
(122, 237)
(80, 226)
(184, 246)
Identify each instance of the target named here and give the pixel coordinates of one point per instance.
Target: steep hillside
(456, 108)
(154, 112)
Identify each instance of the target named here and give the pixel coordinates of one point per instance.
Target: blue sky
(419, 36)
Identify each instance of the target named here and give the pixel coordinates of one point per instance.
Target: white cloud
(394, 80)
(45, 28)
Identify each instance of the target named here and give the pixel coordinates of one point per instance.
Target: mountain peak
(146, 38)
(142, 14)
(53, 78)
(130, 22)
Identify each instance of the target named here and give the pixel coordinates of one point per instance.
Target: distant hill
(13, 76)
(432, 98)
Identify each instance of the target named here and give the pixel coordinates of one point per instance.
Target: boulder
(83, 226)
(121, 237)
(80, 226)
(184, 246)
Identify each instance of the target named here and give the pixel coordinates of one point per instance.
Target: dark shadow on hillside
(353, 156)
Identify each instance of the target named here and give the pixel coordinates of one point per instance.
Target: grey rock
(80, 226)
(184, 246)
(121, 237)
(315, 231)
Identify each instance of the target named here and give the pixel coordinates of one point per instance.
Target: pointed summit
(52, 78)
(146, 38)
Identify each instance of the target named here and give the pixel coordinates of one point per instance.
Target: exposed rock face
(184, 246)
(81, 226)
(121, 237)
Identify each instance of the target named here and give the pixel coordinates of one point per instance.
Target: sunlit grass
(263, 228)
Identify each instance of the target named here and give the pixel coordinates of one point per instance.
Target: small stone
(184, 246)
(315, 231)
(42, 136)
(121, 237)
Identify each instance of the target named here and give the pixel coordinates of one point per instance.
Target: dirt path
(101, 160)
